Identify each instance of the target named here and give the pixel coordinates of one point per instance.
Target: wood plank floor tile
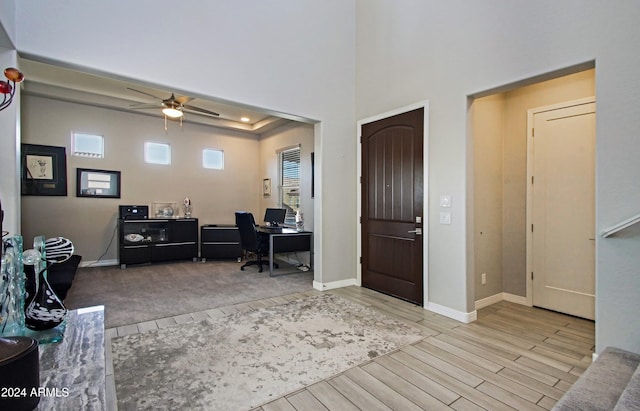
(330, 397)
(380, 390)
(429, 362)
(356, 394)
(508, 397)
(280, 404)
(403, 387)
(463, 404)
(421, 381)
(305, 401)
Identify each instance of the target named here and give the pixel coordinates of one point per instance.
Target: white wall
(290, 56)
(446, 51)
(7, 23)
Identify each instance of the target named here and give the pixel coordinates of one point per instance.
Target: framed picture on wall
(97, 183)
(266, 187)
(43, 170)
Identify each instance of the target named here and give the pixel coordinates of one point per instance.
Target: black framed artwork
(97, 183)
(44, 170)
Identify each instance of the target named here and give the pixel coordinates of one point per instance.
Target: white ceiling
(66, 84)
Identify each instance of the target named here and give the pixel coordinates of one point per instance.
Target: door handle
(417, 231)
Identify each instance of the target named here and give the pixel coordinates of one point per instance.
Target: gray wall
(90, 222)
(445, 52)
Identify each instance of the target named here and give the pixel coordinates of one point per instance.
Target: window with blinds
(290, 182)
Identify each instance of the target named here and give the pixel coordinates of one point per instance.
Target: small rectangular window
(157, 153)
(87, 145)
(212, 158)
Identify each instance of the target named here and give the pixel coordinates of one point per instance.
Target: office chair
(251, 240)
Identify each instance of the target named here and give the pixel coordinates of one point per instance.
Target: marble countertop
(72, 372)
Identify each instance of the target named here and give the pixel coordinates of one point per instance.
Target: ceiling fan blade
(143, 105)
(145, 93)
(183, 99)
(200, 110)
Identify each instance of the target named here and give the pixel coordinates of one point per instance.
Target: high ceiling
(46, 80)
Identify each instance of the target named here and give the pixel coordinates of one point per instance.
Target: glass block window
(87, 145)
(212, 158)
(157, 153)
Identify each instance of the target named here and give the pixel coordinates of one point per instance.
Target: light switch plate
(445, 201)
(445, 218)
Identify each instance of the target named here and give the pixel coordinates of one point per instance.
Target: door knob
(417, 231)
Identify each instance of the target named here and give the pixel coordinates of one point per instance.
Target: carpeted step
(601, 385)
(630, 398)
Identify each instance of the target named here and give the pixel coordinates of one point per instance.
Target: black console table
(156, 239)
(220, 241)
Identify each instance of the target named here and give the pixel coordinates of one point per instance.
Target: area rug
(246, 359)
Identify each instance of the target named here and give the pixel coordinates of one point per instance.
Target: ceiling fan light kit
(172, 107)
(172, 112)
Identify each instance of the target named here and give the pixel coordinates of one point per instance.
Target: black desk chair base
(259, 263)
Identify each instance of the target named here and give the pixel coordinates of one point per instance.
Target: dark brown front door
(392, 204)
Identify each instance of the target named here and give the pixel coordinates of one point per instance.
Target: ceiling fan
(171, 107)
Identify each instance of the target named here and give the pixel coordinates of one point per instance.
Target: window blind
(290, 182)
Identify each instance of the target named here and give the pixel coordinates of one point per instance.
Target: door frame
(425, 211)
(530, 122)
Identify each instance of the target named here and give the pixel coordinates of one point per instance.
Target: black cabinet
(152, 240)
(220, 241)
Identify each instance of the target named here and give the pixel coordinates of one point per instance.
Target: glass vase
(45, 314)
(45, 310)
(12, 317)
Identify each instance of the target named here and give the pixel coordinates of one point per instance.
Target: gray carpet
(150, 292)
(245, 359)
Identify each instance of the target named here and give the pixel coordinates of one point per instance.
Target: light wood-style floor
(512, 358)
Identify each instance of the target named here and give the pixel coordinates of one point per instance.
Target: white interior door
(563, 208)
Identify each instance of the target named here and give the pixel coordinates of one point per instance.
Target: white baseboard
(101, 263)
(496, 298)
(492, 299)
(517, 299)
(451, 313)
(334, 284)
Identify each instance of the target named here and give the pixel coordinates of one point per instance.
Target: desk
(285, 240)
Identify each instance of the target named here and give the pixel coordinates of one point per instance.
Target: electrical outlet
(483, 278)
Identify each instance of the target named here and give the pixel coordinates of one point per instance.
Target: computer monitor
(275, 216)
